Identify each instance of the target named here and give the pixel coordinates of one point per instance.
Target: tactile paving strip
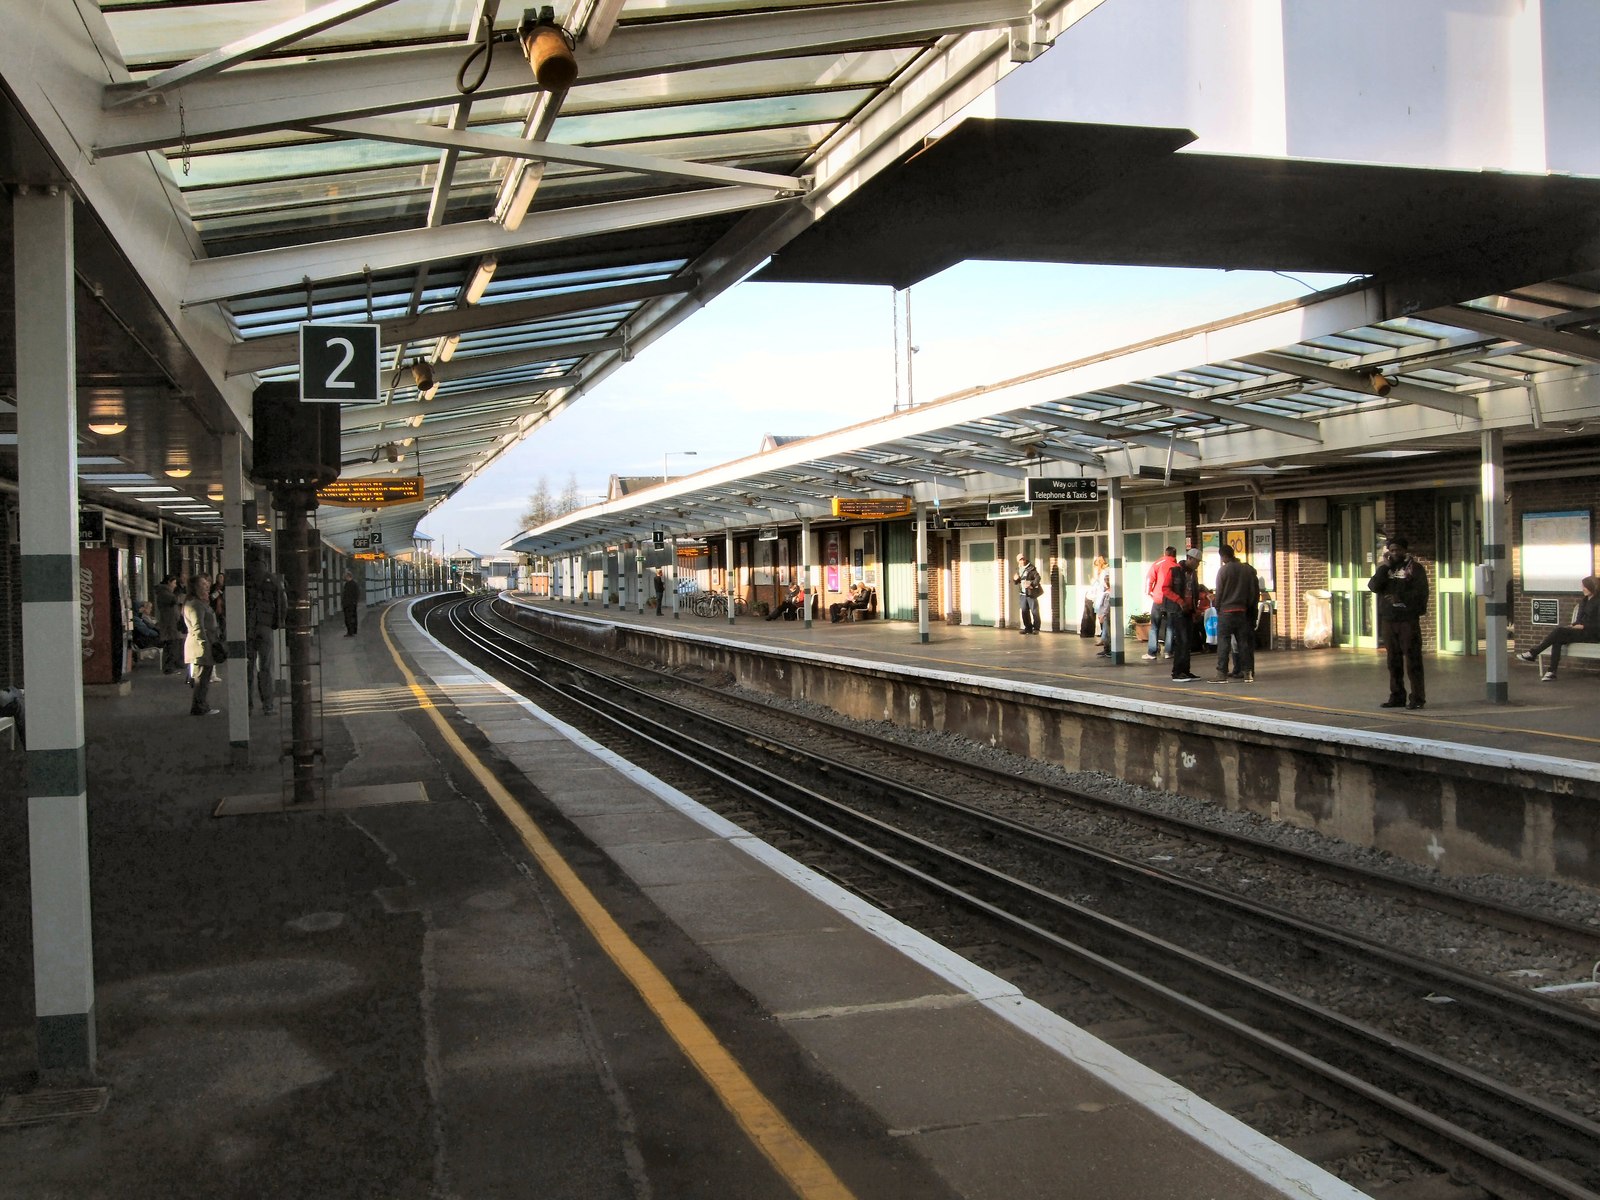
(32, 1108)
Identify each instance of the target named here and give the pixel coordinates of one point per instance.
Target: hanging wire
(484, 45)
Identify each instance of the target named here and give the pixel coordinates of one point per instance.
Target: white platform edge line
(1119, 710)
(1232, 1140)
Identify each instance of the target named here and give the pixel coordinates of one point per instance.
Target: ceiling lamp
(479, 283)
(107, 426)
(177, 471)
(548, 49)
(422, 375)
(446, 348)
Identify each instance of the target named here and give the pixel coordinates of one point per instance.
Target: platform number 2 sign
(339, 363)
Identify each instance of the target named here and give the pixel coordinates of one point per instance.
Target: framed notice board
(1557, 550)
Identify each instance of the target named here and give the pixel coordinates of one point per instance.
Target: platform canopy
(243, 167)
(1333, 393)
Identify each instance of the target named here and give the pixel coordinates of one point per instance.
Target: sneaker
(1417, 704)
(1528, 656)
(1185, 678)
(1249, 676)
(204, 712)
(1393, 704)
(1548, 677)
(1149, 658)
(1220, 678)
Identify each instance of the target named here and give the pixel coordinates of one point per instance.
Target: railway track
(1194, 980)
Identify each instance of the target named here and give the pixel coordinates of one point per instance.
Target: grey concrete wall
(1459, 809)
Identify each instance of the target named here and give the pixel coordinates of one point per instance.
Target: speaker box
(295, 443)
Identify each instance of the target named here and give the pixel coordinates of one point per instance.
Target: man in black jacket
(1402, 588)
(1236, 598)
(350, 601)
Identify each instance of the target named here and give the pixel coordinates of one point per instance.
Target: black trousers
(1178, 626)
(1557, 638)
(1403, 642)
(350, 621)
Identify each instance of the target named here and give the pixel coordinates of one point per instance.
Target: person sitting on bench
(1585, 627)
(793, 604)
(860, 600)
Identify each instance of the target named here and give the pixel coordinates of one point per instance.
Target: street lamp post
(668, 454)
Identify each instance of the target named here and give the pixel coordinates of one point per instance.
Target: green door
(978, 594)
(899, 599)
(1455, 606)
(1352, 558)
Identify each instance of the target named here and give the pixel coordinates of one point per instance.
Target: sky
(804, 359)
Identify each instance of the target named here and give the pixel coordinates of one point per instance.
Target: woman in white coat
(201, 635)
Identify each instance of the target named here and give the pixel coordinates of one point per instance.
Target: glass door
(978, 583)
(1352, 558)
(1033, 547)
(1455, 605)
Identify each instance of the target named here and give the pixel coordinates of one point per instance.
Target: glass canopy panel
(619, 128)
(767, 78)
(149, 35)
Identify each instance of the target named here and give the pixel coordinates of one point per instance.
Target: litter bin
(1319, 618)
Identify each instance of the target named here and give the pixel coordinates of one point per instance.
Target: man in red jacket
(1155, 583)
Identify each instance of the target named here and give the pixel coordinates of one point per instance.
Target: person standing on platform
(1402, 588)
(169, 623)
(202, 635)
(1178, 596)
(1030, 587)
(1154, 586)
(350, 601)
(660, 584)
(1099, 595)
(265, 608)
(1585, 627)
(1236, 598)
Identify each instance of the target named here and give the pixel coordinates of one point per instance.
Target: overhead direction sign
(1058, 491)
(339, 363)
(871, 510)
(372, 493)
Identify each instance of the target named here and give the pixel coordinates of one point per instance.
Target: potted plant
(1139, 626)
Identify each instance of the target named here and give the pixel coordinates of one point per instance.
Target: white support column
(922, 573)
(805, 568)
(236, 677)
(672, 575)
(1114, 617)
(728, 575)
(47, 478)
(638, 577)
(1496, 567)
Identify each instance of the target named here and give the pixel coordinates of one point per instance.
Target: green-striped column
(58, 819)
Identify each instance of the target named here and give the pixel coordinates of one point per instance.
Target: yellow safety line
(790, 1154)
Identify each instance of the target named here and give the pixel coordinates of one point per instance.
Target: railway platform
(498, 962)
(1462, 785)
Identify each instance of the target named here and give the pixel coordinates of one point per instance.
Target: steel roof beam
(1540, 337)
(1293, 426)
(904, 470)
(344, 86)
(1072, 454)
(287, 268)
(1357, 381)
(385, 129)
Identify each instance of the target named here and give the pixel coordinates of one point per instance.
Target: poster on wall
(1239, 540)
(830, 560)
(1261, 558)
(869, 551)
(744, 568)
(1557, 550)
(783, 562)
(764, 564)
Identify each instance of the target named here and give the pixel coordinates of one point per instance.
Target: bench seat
(1570, 651)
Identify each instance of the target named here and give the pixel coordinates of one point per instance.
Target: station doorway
(978, 583)
(1078, 551)
(1037, 551)
(1457, 615)
(1352, 558)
